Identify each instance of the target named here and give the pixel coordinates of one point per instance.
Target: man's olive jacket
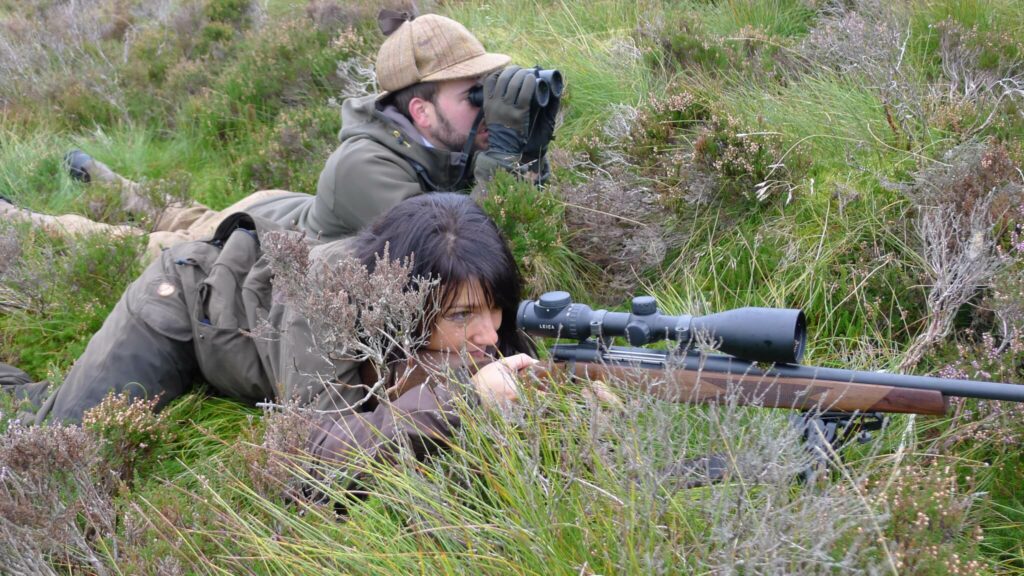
(382, 160)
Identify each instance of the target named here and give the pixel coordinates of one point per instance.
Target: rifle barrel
(947, 386)
(626, 356)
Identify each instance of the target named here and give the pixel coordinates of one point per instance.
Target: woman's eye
(460, 317)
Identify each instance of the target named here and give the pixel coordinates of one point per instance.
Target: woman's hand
(497, 383)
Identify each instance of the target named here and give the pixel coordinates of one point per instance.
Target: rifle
(760, 366)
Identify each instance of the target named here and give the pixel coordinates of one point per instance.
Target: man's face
(453, 116)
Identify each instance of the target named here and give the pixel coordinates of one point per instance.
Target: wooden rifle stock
(756, 387)
(693, 377)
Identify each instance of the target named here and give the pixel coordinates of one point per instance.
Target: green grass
(560, 485)
(780, 18)
(594, 49)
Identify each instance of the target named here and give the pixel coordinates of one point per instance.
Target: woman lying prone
(190, 315)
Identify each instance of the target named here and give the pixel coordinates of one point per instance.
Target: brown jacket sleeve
(422, 419)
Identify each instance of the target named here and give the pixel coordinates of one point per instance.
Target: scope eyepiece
(758, 334)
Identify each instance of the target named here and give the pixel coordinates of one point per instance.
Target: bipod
(825, 433)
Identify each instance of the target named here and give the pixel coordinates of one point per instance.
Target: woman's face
(469, 324)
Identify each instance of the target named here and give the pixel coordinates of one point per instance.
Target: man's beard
(445, 134)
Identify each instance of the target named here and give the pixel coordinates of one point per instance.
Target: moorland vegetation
(856, 158)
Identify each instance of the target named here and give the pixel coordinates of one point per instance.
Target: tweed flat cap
(432, 48)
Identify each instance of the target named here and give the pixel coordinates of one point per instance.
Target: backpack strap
(254, 225)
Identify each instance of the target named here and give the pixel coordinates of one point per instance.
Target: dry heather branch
(54, 500)
(360, 76)
(959, 257)
(274, 462)
(870, 38)
(963, 206)
(354, 315)
(615, 226)
(961, 54)
(864, 39)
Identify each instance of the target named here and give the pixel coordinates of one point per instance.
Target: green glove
(542, 129)
(507, 98)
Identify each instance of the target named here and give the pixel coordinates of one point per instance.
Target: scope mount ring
(596, 321)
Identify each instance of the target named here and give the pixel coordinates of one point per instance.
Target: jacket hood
(364, 117)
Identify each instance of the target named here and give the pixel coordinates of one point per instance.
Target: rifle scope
(758, 334)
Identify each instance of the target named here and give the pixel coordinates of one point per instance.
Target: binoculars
(757, 334)
(549, 83)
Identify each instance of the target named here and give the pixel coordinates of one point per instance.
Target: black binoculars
(549, 83)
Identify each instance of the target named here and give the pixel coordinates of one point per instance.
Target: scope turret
(757, 334)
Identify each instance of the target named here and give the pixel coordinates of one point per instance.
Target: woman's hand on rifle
(498, 382)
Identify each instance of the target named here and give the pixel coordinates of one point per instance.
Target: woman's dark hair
(452, 240)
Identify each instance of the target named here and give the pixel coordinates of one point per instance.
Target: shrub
(617, 226)
(130, 431)
(234, 13)
(285, 64)
(274, 465)
(863, 40)
(963, 210)
(355, 315)
(64, 288)
(929, 509)
(292, 150)
(55, 500)
(533, 221)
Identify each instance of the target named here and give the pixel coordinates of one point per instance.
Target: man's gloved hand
(542, 128)
(507, 98)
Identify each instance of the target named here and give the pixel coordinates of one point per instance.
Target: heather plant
(130, 432)
(273, 462)
(293, 148)
(354, 315)
(55, 501)
(867, 40)
(860, 38)
(533, 221)
(618, 227)
(963, 210)
(973, 64)
(928, 505)
(697, 155)
(279, 66)
(751, 164)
